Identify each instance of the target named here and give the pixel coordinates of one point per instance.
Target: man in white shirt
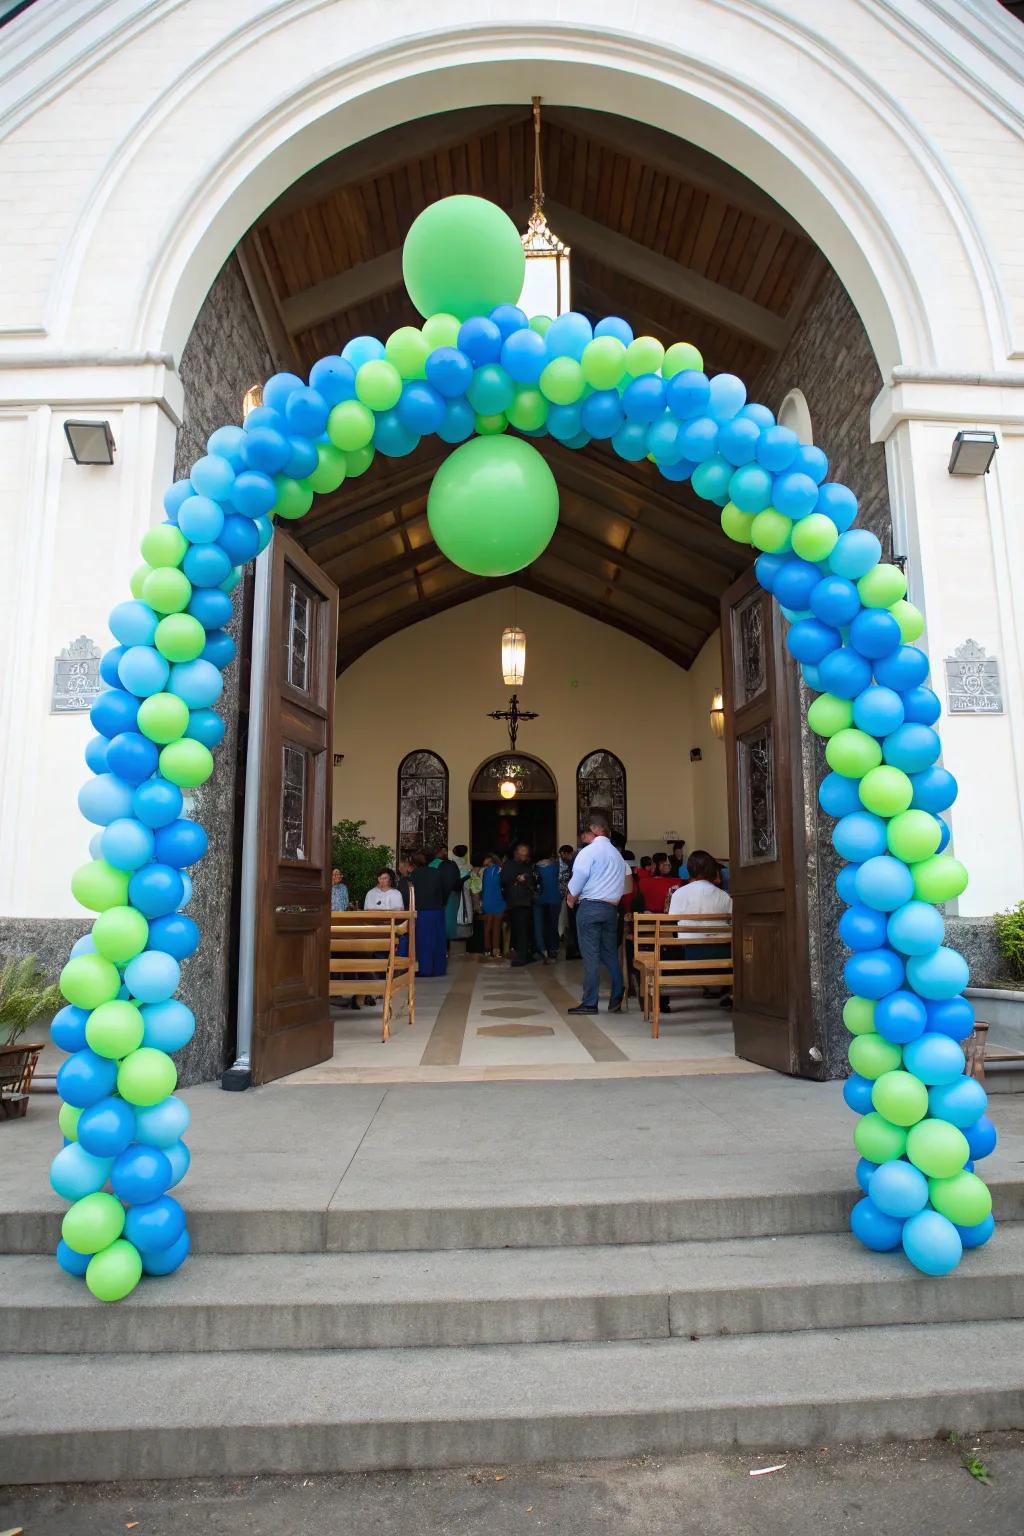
(597, 885)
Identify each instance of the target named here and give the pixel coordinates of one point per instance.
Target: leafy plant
(25, 997)
(358, 857)
(976, 1467)
(1010, 933)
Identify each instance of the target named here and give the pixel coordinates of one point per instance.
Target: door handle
(306, 910)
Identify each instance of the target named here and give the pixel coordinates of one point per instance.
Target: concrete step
(92, 1417)
(525, 1296)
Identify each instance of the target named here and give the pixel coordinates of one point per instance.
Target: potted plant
(358, 857)
(25, 998)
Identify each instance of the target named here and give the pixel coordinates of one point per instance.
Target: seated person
(657, 884)
(703, 895)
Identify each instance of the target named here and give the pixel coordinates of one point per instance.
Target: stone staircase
(306, 1340)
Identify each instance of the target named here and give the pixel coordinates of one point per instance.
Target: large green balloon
(114, 1029)
(878, 1139)
(900, 1097)
(120, 933)
(964, 1198)
(463, 255)
(93, 1223)
(493, 505)
(937, 1148)
(89, 980)
(115, 1271)
(146, 1076)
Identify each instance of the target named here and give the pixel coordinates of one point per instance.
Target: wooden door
(292, 1025)
(766, 845)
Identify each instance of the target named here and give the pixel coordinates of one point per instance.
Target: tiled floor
(485, 1021)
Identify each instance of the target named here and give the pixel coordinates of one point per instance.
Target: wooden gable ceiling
(662, 233)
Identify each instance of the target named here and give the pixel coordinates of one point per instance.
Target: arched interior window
(601, 786)
(530, 777)
(422, 803)
(795, 414)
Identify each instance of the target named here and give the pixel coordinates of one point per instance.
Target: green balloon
(330, 469)
(679, 358)
(407, 349)
(358, 461)
(963, 1198)
(859, 1015)
(853, 753)
(93, 1223)
(772, 532)
(940, 878)
(882, 586)
(736, 525)
(115, 1271)
(493, 505)
(878, 1139)
(163, 717)
(180, 637)
(167, 590)
(528, 411)
(644, 355)
(114, 1029)
(350, 426)
(909, 619)
(89, 980)
(120, 933)
(138, 580)
(870, 1055)
(164, 545)
(937, 1148)
(186, 763)
(885, 791)
(146, 1076)
(900, 1097)
(464, 256)
(378, 385)
(562, 381)
(490, 426)
(541, 324)
(98, 885)
(442, 331)
(913, 836)
(68, 1121)
(294, 497)
(603, 362)
(827, 715)
(815, 537)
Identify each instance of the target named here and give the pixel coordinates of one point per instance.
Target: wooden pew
(660, 953)
(365, 959)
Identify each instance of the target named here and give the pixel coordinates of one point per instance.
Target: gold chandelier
(546, 286)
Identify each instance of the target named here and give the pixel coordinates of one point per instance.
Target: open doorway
(513, 799)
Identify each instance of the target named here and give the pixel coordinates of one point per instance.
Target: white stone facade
(140, 140)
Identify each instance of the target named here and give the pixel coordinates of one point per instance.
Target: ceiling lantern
(546, 286)
(717, 715)
(513, 656)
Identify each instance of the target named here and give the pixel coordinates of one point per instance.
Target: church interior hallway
(485, 1021)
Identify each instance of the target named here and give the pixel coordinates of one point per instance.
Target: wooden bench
(660, 955)
(365, 959)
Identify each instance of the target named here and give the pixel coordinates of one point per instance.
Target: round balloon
(874, 1228)
(898, 1189)
(493, 505)
(463, 256)
(114, 1272)
(932, 1243)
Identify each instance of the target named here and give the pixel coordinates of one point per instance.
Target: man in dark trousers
(600, 878)
(519, 885)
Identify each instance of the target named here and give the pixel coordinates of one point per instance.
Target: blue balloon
(564, 422)
(711, 479)
(681, 469)
(302, 458)
(952, 1016)
(391, 438)
(862, 928)
(206, 565)
(846, 883)
(614, 325)
(884, 883)
(228, 443)
(167, 1260)
(157, 802)
(643, 399)
(492, 390)
(877, 711)
(212, 608)
(905, 669)
(931, 1243)
(838, 503)
(421, 408)
(981, 1135)
(205, 725)
(480, 340)
(265, 529)
(750, 487)
(963, 1103)
(524, 356)
(602, 414)
(133, 623)
(127, 843)
(941, 974)
(133, 757)
(629, 442)
(156, 1224)
(976, 1237)
(262, 417)
(900, 1017)
(728, 395)
(776, 448)
(875, 633)
(186, 890)
(198, 682)
(156, 890)
(104, 799)
(85, 1078)
(459, 422)
(834, 600)
(179, 1157)
(73, 1263)
(110, 661)
(266, 449)
(898, 1189)
(857, 1093)
(921, 706)
(698, 439)
(873, 1228)
(509, 318)
(935, 789)
(845, 673)
(141, 1174)
(362, 349)
(758, 413)
(335, 379)
(793, 494)
(279, 388)
(219, 650)
(174, 495)
(567, 335)
(838, 795)
(811, 640)
(738, 440)
(812, 677)
(86, 945)
(201, 519)
(916, 928)
(168, 1025)
(865, 1167)
(75, 1173)
(213, 477)
(67, 1028)
(855, 553)
(107, 1127)
(873, 973)
(305, 412)
(810, 461)
(688, 395)
(911, 747)
(240, 538)
(153, 976)
(934, 1058)
(254, 494)
(96, 754)
(177, 934)
(114, 711)
(181, 843)
(859, 837)
(161, 1125)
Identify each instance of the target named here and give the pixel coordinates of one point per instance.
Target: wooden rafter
(352, 646)
(530, 581)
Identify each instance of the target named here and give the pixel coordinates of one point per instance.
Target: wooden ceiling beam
(374, 575)
(350, 648)
(647, 606)
(530, 581)
(347, 509)
(697, 600)
(256, 276)
(336, 295)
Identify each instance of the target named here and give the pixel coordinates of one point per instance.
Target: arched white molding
(794, 413)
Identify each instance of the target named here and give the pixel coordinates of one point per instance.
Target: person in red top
(657, 884)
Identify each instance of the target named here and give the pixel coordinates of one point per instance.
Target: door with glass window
(767, 862)
(292, 1025)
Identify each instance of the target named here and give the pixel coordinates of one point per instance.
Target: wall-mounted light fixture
(508, 789)
(717, 714)
(973, 453)
(91, 442)
(252, 398)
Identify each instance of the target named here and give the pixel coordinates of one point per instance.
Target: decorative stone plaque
(76, 677)
(972, 681)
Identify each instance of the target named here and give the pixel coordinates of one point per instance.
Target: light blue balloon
(711, 478)
(75, 1173)
(152, 976)
(916, 928)
(898, 1189)
(931, 1243)
(206, 725)
(568, 335)
(934, 1058)
(104, 799)
(143, 671)
(524, 356)
(198, 682)
(161, 1125)
(459, 419)
(133, 623)
(750, 488)
(855, 553)
(168, 1025)
(201, 519)
(884, 883)
(362, 349)
(859, 837)
(127, 844)
(728, 395)
(664, 437)
(179, 1157)
(963, 1103)
(186, 884)
(877, 711)
(943, 973)
(614, 325)
(86, 945)
(212, 476)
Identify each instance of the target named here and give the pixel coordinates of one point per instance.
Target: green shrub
(1010, 933)
(358, 857)
(25, 998)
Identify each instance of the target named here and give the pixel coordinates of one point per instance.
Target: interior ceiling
(676, 241)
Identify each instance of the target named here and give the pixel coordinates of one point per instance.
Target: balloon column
(477, 367)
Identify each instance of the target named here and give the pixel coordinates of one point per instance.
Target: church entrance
(513, 799)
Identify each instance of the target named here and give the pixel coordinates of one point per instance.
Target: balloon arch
(475, 368)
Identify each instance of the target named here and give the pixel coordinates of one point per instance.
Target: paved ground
(887, 1490)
